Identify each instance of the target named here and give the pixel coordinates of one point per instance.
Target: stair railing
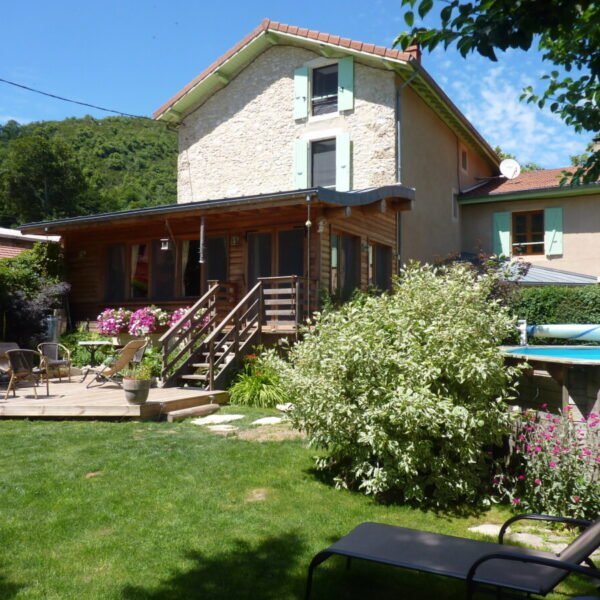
(231, 336)
(185, 336)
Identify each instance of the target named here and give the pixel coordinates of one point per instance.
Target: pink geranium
(113, 321)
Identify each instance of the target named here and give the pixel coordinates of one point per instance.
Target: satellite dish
(510, 168)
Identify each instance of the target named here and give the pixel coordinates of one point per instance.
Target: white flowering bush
(404, 392)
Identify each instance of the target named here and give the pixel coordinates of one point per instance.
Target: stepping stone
(225, 430)
(217, 419)
(194, 411)
(284, 407)
(267, 421)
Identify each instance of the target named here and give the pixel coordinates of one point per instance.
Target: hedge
(557, 304)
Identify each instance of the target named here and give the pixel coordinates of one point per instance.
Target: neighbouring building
(13, 241)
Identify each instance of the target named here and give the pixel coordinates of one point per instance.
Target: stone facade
(240, 141)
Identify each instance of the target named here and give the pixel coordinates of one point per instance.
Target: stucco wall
(240, 142)
(581, 230)
(430, 164)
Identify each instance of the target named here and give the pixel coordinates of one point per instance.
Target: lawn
(156, 510)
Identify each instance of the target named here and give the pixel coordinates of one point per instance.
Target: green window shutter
(346, 83)
(301, 93)
(553, 231)
(343, 162)
(501, 233)
(300, 164)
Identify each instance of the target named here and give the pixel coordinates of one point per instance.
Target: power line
(30, 89)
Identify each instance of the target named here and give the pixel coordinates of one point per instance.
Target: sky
(133, 55)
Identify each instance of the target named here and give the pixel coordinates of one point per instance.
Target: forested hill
(54, 169)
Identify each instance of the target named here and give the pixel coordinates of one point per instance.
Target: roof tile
(526, 181)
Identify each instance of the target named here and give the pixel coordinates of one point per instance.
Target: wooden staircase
(203, 349)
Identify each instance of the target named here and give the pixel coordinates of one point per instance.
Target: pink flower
(576, 499)
(537, 481)
(521, 477)
(544, 406)
(552, 465)
(538, 448)
(516, 500)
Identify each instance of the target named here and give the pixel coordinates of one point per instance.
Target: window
(115, 273)
(259, 256)
(139, 271)
(323, 166)
(464, 160)
(528, 232)
(190, 268)
(380, 266)
(290, 252)
(216, 259)
(325, 90)
(345, 265)
(163, 272)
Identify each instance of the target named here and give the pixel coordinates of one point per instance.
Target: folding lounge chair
(477, 563)
(133, 351)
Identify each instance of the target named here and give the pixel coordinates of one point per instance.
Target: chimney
(414, 52)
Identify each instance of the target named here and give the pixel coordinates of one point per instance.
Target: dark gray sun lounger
(477, 563)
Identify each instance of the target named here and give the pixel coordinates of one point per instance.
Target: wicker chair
(25, 365)
(55, 356)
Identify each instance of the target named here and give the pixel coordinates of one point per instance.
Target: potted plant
(136, 383)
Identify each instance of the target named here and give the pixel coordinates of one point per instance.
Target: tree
(567, 33)
(581, 159)
(528, 166)
(40, 179)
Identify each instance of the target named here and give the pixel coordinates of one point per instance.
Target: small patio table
(93, 345)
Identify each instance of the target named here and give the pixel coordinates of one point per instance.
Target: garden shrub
(30, 287)
(405, 391)
(555, 467)
(258, 384)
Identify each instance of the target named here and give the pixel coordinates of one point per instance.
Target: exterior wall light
(164, 244)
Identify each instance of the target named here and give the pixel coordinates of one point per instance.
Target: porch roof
(396, 193)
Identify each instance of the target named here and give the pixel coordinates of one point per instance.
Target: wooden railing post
(260, 311)
(296, 287)
(211, 364)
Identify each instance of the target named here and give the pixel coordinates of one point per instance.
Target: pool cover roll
(583, 333)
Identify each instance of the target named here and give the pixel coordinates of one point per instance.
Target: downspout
(308, 225)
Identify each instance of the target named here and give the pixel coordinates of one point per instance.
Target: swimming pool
(584, 355)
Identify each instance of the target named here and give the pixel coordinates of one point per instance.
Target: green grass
(154, 510)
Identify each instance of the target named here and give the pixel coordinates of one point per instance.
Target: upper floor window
(464, 160)
(528, 232)
(322, 157)
(324, 90)
(323, 87)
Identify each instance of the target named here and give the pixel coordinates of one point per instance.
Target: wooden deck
(73, 400)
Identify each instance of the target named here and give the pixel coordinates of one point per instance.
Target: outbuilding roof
(529, 184)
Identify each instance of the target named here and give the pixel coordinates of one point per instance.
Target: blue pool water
(581, 353)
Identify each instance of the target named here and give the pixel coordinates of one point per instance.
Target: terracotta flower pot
(136, 390)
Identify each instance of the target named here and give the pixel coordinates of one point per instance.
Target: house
(554, 228)
(13, 241)
(308, 164)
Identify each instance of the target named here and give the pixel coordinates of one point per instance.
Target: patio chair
(25, 365)
(132, 352)
(55, 356)
(477, 563)
(4, 364)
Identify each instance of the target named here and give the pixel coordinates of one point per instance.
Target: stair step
(194, 411)
(194, 377)
(201, 365)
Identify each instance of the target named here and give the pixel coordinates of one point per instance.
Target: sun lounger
(477, 563)
(133, 351)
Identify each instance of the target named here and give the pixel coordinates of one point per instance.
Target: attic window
(325, 90)
(464, 160)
